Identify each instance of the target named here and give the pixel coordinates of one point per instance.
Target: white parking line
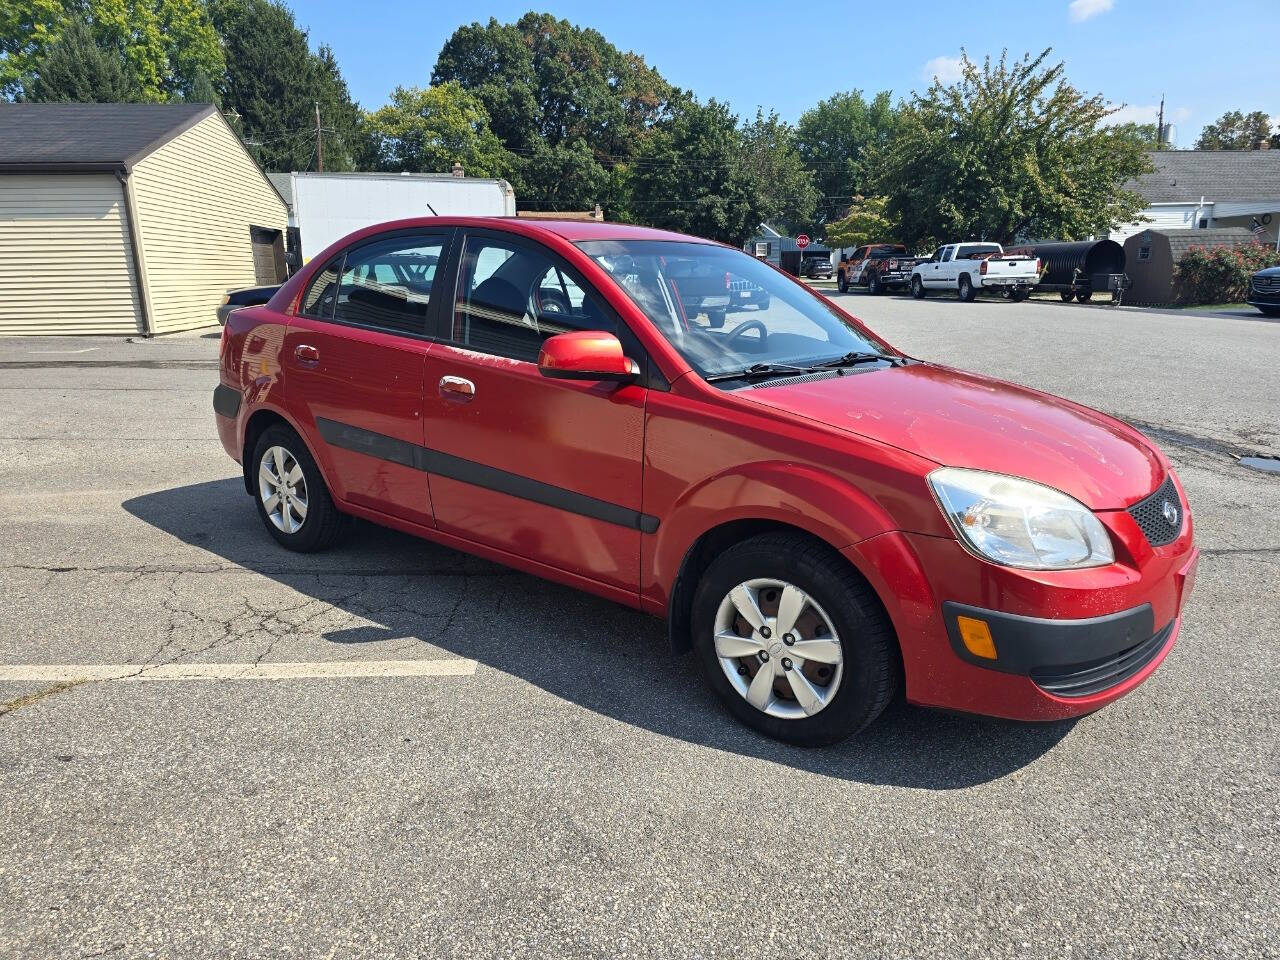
(317, 670)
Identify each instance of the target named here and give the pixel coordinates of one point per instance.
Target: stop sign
(802, 241)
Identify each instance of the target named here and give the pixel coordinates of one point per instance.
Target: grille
(1150, 515)
(1083, 680)
(1270, 285)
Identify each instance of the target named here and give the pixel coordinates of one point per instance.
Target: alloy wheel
(778, 648)
(282, 487)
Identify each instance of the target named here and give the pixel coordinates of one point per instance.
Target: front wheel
(1084, 296)
(965, 290)
(292, 498)
(1066, 295)
(793, 640)
(917, 288)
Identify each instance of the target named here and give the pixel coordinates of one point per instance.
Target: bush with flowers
(1221, 274)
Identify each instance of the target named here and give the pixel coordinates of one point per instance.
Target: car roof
(574, 231)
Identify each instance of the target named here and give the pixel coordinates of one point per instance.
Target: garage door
(65, 260)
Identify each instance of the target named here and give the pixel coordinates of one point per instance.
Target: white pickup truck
(970, 268)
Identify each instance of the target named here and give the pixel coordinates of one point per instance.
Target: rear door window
(387, 284)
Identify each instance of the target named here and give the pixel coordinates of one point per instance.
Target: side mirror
(586, 355)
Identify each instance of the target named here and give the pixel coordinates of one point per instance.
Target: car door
(354, 359)
(543, 468)
(943, 270)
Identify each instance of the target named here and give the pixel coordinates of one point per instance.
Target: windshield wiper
(759, 370)
(859, 356)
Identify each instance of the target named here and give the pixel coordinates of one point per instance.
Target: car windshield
(725, 311)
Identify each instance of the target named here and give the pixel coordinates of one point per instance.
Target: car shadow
(600, 655)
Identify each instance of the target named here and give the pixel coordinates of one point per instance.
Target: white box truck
(328, 206)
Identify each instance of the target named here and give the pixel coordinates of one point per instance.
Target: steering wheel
(743, 327)
(552, 302)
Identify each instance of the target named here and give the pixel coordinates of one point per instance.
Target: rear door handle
(457, 386)
(306, 353)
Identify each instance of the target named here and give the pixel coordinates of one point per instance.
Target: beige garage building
(127, 218)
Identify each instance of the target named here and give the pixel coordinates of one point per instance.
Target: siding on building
(65, 260)
(197, 197)
(1164, 216)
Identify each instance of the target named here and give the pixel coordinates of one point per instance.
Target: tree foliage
(75, 69)
(771, 161)
(688, 175)
(1237, 131)
(840, 140)
(866, 222)
(272, 85)
(163, 45)
(1010, 150)
(429, 130)
(564, 101)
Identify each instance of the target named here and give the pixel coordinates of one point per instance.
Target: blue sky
(1205, 57)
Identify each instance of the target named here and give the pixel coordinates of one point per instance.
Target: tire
(873, 286)
(842, 283)
(716, 318)
(917, 288)
(1270, 311)
(319, 524)
(965, 289)
(1017, 296)
(1066, 295)
(1084, 296)
(859, 684)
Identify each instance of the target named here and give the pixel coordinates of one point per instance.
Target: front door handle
(306, 353)
(458, 387)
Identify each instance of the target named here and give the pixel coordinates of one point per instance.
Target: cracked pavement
(582, 795)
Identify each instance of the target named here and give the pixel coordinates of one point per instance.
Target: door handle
(306, 353)
(457, 386)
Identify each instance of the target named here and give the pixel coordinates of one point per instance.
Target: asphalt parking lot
(474, 763)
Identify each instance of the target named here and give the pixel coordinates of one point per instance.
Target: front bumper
(1066, 642)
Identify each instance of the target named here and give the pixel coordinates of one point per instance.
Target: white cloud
(946, 69)
(1082, 10)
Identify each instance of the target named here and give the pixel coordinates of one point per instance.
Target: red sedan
(822, 519)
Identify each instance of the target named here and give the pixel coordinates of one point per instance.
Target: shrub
(1221, 274)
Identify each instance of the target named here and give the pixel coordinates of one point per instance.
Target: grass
(1214, 307)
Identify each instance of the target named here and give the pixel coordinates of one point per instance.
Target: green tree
(1143, 134)
(429, 130)
(1236, 131)
(273, 83)
(866, 222)
(688, 175)
(75, 69)
(562, 99)
(1010, 150)
(163, 44)
(840, 140)
(771, 160)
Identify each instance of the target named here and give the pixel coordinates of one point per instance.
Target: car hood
(1268, 272)
(960, 419)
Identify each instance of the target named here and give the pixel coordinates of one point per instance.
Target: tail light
(1037, 264)
(983, 269)
(726, 280)
(893, 264)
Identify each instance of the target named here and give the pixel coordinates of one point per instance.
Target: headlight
(1018, 523)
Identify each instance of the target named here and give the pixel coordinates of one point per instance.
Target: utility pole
(1159, 125)
(320, 141)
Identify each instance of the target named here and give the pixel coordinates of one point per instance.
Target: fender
(802, 496)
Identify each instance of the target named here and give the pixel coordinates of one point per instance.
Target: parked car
(825, 520)
(883, 274)
(972, 268)
(1264, 291)
(246, 297)
(852, 271)
(817, 267)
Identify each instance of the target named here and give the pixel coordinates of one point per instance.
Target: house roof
(37, 137)
(283, 182)
(1230, 176)
(1180, 241)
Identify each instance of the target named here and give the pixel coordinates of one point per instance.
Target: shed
(1152, 255)
(125, 218)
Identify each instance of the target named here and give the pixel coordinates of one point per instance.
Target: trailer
(327, 206)
(1079, 269)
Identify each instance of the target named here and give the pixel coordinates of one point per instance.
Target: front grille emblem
(1170, 513)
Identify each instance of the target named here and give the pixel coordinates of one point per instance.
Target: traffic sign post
(802, 241)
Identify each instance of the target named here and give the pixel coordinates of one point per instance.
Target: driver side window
(511, 298)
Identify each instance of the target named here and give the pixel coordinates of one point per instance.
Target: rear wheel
(1084, 296)
(715, 318)
(842, 282)
(793, 640)
(917, 288)
(873, 286)
(1066, 295)
(965, 290)
(292, 498)
(1017, 296)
